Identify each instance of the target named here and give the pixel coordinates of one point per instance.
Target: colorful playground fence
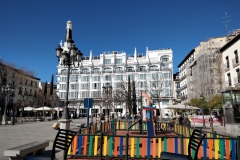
(149, 147)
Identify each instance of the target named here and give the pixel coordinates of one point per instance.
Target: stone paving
(19, 134)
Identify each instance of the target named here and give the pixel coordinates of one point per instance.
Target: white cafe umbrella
(180, 106)
(58, 108)
(45, 108)
(28, 108)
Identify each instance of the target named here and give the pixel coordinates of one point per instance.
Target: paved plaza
(19, 134)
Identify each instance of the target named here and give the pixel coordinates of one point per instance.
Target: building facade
(24, 85)
(114, 68)
(201, 70)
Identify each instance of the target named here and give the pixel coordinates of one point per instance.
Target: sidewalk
(218, 129)
(19, 134)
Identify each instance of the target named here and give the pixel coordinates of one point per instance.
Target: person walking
(180, 120)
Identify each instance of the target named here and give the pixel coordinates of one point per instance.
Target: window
(96, 85)
(117, 84)
(153, 68)
(107, 70)
(96, 94)
(165, 60)
(165, 101)
(142, 84)
(119, 69)
(118, 77)
(229, 79)
(85, 94)
(96, 70)
(96, 78)
(62, 86)
(118, 61)
(131, 76)
(227, 60)
(74, 78)
(236, 56)
(63, 79)
(154, 76)
(107, 61)
(165, 75)
(129, 69)
(73, 95)
(85, 78)
(64, 71)
(74, 71)
(142, 68)
(85, 70)
(154, 84)
(62, 95)
(238, 75)
(107, 78)
(74, 86)
(84, 86)
(142, 76)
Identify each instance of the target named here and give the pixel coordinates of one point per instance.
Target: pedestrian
(210, 120)
(180, 119)
(71, 117)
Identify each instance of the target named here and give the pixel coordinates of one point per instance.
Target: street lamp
(107, 91)
(68, 57)
(7, 91)
(202, 97)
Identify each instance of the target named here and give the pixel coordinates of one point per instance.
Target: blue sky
(30, 30)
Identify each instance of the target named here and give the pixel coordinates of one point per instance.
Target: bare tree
(157, 85)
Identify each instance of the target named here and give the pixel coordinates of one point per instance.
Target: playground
(146, 139)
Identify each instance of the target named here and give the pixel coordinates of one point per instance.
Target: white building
(114, 68)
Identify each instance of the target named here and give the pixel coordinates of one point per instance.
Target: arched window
(74, 71)
(130, 69)
(153, 68)
(64, 71)
(165, 59)
(119, 69)
(96, 70)
(85, 70)
(107, 70)
(141, 68)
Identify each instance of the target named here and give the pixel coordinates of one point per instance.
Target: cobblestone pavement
(19, 134)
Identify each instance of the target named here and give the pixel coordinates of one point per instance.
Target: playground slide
(150, 128)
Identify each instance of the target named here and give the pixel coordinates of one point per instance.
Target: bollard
(12, 121)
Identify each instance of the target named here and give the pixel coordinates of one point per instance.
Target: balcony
(106, 71)
(118, 71)
(153, 69)
(235, 62)
(178, 89)
(226, 67)
(141, 70)
(130, 71)
(236, 81)
(84, 72)
(60, 73)
(165, 69)
(228, 83)
(183, 77)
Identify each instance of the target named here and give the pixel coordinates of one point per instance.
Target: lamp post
(202, 97)
(107, 91)
(7, 91)
(68, 57)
